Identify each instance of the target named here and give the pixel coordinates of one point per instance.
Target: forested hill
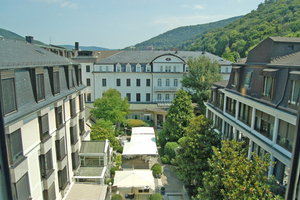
(272, 18)
(11, 35)
(176, 36)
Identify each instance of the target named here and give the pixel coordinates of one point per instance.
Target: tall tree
(202, 73)
(233, 176)
(178, 117)
(103, 130)
(111, 107)
(195, 150)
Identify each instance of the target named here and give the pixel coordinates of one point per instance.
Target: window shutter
(15, 142)
(45, 126)
(9, 96)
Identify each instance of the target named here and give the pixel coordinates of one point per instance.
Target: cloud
(177, 21)
(199, 7)
(69, 5)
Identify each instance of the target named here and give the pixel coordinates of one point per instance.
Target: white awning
(140, 148)
(134, 178)
(143, 131)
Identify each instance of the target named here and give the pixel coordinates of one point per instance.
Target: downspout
(66, 140)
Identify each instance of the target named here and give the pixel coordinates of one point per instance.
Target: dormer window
(54, 80)
(128, 68)
(235, 80)
(148, 68)
(294, 93)
(9, 103)
(248, 80)
(138, 69)
(268, 87)
(37, 80)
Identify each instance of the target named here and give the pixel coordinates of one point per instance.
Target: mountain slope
(11, 35)
(86, 48)
(176, 36)
(272, 18)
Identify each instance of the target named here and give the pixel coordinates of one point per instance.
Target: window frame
(8, 94)
(60, 148)
(128, 82)
(148, 97)
(87, 68)
(73, 107)
(138, 82)
(88, 97)
(148, 82)
(104, 84)
(118, 82)
(15, 150)
(46, 164)
(138, 97)
(269, 95)
(73, 134)
(128, 95)
(44, 127)
(58, 116)
(63, 178)
(88, 82)
(159, 82)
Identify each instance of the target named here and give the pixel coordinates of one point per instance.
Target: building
(259, 103)
(148, 78)
(42, 101)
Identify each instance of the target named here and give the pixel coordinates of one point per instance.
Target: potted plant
(162, 190)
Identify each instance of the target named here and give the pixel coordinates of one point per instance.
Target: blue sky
(113, 24)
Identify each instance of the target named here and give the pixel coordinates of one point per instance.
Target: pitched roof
(18, 54)
(285, 39)
(92, 147)
(149, 56)
(289, 60)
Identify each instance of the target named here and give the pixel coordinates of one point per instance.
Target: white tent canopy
(141, 143)
(134, 178)
(143, 131)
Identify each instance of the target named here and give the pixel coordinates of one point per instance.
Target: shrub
(111, 180)
(165, 159)
(156, 196)
(156, 169)
(133, 123)
(120, 149)
(161, 152)
(113, 170)
(170, 149)
(118, 160)
(116, 197)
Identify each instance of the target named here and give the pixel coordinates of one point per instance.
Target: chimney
(77, 46)
(29, 39)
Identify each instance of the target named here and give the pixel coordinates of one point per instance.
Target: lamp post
(109, 190)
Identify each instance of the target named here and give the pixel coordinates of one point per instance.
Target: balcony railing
(159, 88)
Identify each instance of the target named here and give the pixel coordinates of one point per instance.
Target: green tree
(103, 130)
(195, 150)
(178, 117)
(170, 149)
(233, 176)
(111, 107)
(202, 74)
(156, 196)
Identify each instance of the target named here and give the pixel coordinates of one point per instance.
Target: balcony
(166, 89)
(18, 170)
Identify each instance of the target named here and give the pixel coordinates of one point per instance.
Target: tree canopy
(233, 176)
(111, 107)
(202, 73)
(195, 149)
(178, 117)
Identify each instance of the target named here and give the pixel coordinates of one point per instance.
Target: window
(50, 193)
(21, 189)
(148, 97)
(264, 124)
(72, 108)
(62, 178)
(118, 68)
(40, 89)
(235, 81)
(78, 75)
(44, 127)
(15, 147)
(219, 123)
(159, 82)
(158, 97)
(248, 80)
(54, 79)
(73, 133)
(104, 82)
(230, 106)
(281, 172)
(167, 97)
(71, 81)
(161, 68)
(138, 96)
(148, 68)
(174, 69)
(286, 135)
(166, 69)
(268, 87)
(187, 69)
(81, 126)
(46, 164)
(174, 96)
(175, 82)
(81, 106)
(169, 69)
(128, 82)
(138, 69)
(88, 68)
(135, 116)
(128, 68)
(59, 117)
(220, 100)
(88, 82)
(245, 113)
(106, 68)
(148, 82)
(118, 82)
(128, 95)
(138, 82)
(75, 160)
(291, 47)
(60, 148)
(167, 82)
(228, 131)
(148, 117)
(88, 97)
(8, 92)
(294, 93)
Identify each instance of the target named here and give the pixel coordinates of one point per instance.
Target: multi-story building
(149, 79)
(42, 101)
(260, 101)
